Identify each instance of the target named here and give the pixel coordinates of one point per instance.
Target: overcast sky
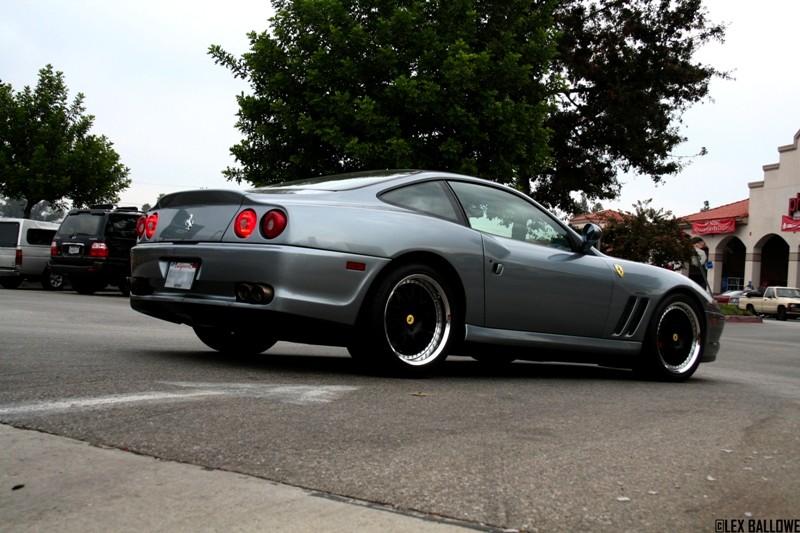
(170, 111)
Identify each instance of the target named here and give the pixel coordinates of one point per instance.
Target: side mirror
(591, 235)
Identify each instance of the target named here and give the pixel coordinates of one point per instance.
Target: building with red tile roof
(753, 240)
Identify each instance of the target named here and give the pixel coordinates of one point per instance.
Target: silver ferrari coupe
(407, 267)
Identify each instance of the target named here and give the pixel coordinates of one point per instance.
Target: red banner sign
(790, 224)
(725, 225)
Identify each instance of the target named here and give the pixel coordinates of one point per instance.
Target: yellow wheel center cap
(410, 319)
(675, 337)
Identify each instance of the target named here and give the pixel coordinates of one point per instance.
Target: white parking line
(291, 394)
(103, 401)
(294, 394)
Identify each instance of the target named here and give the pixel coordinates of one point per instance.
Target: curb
(737, 319)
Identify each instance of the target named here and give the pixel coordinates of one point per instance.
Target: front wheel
(781, 313)
(674, 341)
(408, 325)
(235, 342)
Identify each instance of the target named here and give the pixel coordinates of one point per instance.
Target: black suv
(93, 247)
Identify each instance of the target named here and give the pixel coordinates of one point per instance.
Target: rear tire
(85, 284)
(235, 342)
(11, 282)
(408, 325)
(51, 281)
(674, 343)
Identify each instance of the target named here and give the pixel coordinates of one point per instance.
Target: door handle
(497, 269)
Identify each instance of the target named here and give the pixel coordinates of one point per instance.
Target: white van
(25, 253)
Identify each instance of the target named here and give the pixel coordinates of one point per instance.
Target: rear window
(8, 234)
(40, 236)
(81, 224)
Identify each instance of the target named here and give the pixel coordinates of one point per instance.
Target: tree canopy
(551, 96)
(47, 152)
(647, 235)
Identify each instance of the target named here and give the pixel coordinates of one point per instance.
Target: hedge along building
(756, 240)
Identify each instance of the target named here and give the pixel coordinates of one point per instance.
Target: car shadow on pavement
(341, 364)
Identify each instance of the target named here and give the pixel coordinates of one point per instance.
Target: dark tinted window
(427, 197)
(121, 227)
(8, 234)
(40, 236)
(81, 224)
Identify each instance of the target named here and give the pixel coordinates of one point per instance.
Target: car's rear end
(92, 247)
(234, 260)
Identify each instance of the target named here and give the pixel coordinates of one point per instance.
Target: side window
(8, 234)
(503, 214)
(40, 237)
(121, 227)
(770, 293)
(427, 197)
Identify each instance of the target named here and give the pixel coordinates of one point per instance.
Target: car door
(534, 280)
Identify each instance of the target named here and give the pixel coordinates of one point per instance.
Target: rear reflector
(353, 265)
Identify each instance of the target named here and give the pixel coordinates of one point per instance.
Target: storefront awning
(708, 227)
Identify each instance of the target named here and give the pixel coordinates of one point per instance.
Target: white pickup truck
(780, 302)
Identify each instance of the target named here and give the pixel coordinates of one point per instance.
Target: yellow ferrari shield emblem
(618, 268)
(410, 319)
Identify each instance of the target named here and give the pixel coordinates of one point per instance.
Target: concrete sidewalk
(52, 483)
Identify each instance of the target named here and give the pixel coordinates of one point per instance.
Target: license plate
(74, 250)
(180, 275)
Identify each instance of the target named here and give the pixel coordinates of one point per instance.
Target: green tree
(647, 235)
(341, 85)
(628, 78)
(41, 211)
(46, 150)
(550, 96)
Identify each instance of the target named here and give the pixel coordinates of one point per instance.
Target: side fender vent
(631, 317)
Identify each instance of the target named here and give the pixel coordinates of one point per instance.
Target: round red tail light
(245, 223)
(140, 225)
(273, 224)
(150, 225)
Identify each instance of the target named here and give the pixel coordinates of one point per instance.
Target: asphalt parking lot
(114, 418)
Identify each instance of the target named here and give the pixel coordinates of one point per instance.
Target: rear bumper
(310, 283)
(95, 268)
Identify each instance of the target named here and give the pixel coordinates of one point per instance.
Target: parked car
(92, 247)
(729, 297)
(780, 302)
(406, 267)
(25, 251)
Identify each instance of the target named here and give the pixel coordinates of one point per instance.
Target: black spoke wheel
(674, 343)
(235, 342)
(408, 322)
